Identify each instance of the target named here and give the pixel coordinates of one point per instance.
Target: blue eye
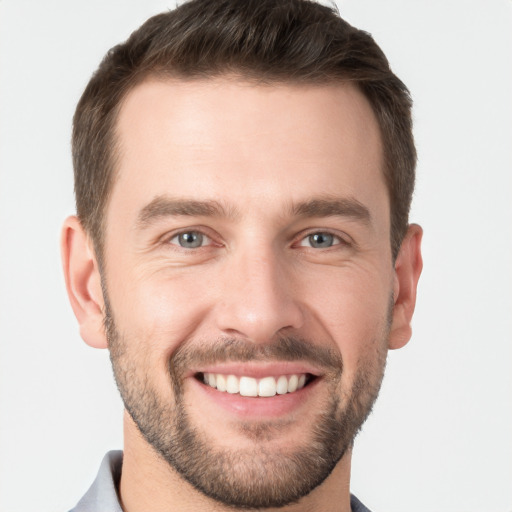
(320, 240)
(190, 239)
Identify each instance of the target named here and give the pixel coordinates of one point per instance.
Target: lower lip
(257, 407)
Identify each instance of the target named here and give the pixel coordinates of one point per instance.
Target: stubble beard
(247, 478)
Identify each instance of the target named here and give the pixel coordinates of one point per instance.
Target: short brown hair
(271, 41)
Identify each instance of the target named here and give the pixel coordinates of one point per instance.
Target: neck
(149, 483)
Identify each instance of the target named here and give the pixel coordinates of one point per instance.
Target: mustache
(223, 350)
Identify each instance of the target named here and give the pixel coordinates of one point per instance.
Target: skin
(258, 151)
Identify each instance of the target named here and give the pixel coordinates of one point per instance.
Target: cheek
(353, 308)
(158, 312)
(153, 317)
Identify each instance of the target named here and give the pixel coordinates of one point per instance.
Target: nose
(258, 298)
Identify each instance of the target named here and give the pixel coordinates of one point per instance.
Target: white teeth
(282, 385)
(292, 383)
(232, 385)
(249, 386)
(221, 382)
(267, 386)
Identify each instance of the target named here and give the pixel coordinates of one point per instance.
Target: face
(248, 279)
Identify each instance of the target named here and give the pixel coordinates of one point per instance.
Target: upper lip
(258, 369)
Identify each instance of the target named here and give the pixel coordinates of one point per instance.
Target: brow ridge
(333, 207)
(164, 206)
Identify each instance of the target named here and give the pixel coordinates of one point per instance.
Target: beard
(247, 478)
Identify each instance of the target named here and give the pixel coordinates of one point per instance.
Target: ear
(408, 267)
(83, 282)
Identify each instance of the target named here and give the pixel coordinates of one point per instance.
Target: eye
(190, 239)
(320, 240)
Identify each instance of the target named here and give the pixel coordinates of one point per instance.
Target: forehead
(249, 144)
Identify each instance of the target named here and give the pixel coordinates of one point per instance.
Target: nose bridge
(257, 297)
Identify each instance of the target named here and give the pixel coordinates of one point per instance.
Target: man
(243, 176)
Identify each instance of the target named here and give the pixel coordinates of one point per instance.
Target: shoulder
(102, 495)
(356, 505)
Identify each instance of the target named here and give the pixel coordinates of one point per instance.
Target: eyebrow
(333, 207)
(163, 206)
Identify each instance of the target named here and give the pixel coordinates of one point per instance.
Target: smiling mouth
(252, 387)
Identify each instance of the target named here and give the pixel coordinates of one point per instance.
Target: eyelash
(338, 240)
(208, 239)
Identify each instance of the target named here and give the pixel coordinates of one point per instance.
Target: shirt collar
(103, 495)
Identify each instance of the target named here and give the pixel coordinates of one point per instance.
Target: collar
(102, 495)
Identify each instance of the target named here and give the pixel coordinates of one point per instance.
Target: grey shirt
(102, 495)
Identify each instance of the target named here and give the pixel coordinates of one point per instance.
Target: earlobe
(83, 282)
(408, 268)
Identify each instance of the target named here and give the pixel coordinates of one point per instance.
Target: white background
(440, 438)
